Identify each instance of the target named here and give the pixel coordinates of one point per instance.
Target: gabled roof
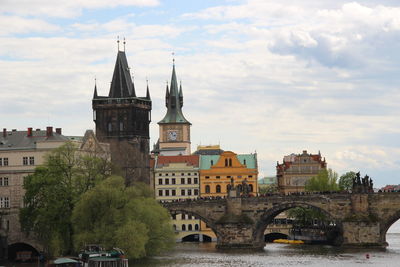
(21, 140)
(174, 103)
(121, 84)
(192, 160)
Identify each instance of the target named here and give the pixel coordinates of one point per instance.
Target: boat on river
(96, 256)
(288, 241)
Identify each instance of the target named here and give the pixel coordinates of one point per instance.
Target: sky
(272, 77)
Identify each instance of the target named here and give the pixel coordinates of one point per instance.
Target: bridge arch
(14, 248)
(268, 216)
(209, 222)
(387, 224)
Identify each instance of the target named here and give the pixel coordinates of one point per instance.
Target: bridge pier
(231, 236)
(362, 234)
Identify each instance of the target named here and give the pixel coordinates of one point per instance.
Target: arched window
(226, 162)
(196, 227)
(212, 162)
(244, 162)
(121, 126)
(109, 126)
(230, 162)
(207, 189)
(183, 227)
(218, 189)
(190, 227)
(174, 227)
(251, 187)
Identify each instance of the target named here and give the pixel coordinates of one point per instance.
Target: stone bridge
(362, 219)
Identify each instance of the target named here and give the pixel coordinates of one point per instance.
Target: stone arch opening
(335, 236)
(268, 238)
(22, 252)
(203, 226)
(392, 222)
(197, 238)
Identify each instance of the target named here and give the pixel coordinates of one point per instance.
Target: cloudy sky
(276, 77)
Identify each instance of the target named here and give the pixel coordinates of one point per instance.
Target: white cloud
(18, 25)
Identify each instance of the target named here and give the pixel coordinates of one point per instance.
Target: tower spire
(180, 94)
(166, 95)
(147, 91)
(124, 44)
(95, 88)
(118, 42)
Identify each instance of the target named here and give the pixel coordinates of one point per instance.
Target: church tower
(174, 128)
(122, 119)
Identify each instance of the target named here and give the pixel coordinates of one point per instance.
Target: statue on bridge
(241, 190)
(362, 185)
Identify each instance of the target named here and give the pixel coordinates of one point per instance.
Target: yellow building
(217, 172)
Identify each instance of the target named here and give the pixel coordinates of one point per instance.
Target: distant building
(391, 188)
(268, 180)
(297, 169)
(177, 177)
(217, 172)
(208, 150)
(122, 120)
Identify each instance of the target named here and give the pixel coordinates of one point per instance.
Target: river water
(205, 254)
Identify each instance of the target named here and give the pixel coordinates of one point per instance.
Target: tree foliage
(305, 216)
(128, 217)
(268, 189)
(326, 180)
(52, 191)
(346, 180)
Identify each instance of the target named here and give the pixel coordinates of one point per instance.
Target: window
(3, 181)
(31, 160)
(195, 180)
(166, 174)
(109, 127)
(189, 173)
(182, 174)
(167, 181)
(4, 202)
(218, 188)
(226, 162)
(196, 192)
(189, 180)
(196, 227)
(217, 176)
(250, 176)
(1, 161)
(166, 193)
(121, 126)
(183, 216)
(159, 181)
(182, 192)
(189, 192)
(173, 174)
(174, 227)
(212, 162)
(207, 177)
(182, 180)
(159, 174)
(230, 162)
(173, 192)
(4, 162)
(160, 193)
(183, 227)
(190, 227)
(173, 216)
(244, 162)
(207, 189)
(251, 187)
(25, 160)
(228, 176)
(173, 181)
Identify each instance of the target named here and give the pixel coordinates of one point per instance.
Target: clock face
(172, 135)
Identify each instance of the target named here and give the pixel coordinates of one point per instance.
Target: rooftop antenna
(124, 44)
(118, 42)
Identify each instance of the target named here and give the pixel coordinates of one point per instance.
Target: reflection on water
(205, 254)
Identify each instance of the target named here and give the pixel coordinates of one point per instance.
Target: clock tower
(174, 128)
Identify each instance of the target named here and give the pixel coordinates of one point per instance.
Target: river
(205, 254)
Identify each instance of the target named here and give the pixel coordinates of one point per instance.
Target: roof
(192, 160)
(174, 103)
(20, 140)
(121, 83)
(208, 150)
(205, 160)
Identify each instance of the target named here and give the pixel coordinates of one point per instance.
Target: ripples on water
(193, 255)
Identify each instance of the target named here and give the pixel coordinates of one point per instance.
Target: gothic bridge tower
(122, 119)
(174, 128)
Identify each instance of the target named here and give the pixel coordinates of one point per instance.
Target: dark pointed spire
(95, 90)
(180, 94)
(166, 96)
(121, 84)
(147, 91)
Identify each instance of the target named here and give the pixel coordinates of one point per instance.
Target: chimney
(49, 131)
(4, 132)
(29, 132)
(58, 130)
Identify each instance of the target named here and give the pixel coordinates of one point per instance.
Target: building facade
(177, 178)
(20, 153)
(174, 137)
(122, 120)
(297, 169)
(218, 171)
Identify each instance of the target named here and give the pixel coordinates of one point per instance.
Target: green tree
(268, 189)
(326, 180)
(306, 216)
(127, 217)
(52, 191)
(346, 180)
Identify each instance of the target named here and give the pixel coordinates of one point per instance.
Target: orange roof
(189, 159)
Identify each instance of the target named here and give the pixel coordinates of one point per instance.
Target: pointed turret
(166, 96)
(174, 102)
(121, 84)
(148, 92)
(180, 95)
(95, 91)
